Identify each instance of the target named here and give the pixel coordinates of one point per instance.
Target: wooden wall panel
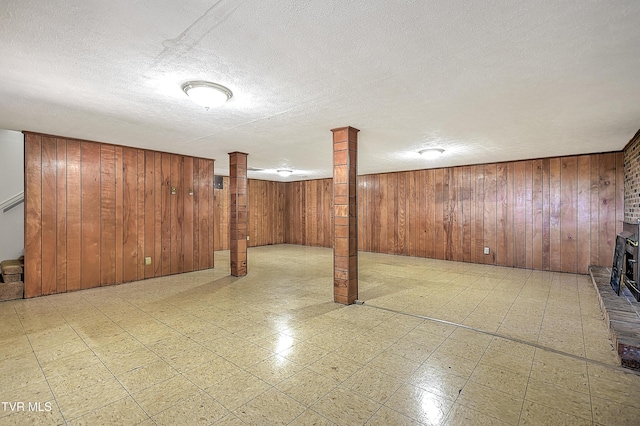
(306, 217)
(74, 218)
(141, 212)
(130, 214)
(94, 211)
(49, 216)
(555, 214)
(149, 212)
(90, 169)
(33, 216)
(177, 212)
(569, 211)
(187, 224)
(119, 237)
(107, 215)
(61, 216)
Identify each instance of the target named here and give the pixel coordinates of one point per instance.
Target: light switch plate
(486, 250)
(147, 261)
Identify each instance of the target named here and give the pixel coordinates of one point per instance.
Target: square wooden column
(238, 226)
(345, 202)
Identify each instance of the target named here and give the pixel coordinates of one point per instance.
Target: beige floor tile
(130, 327)
(311, 418)
(536, 414)
(129, 361)
(307, 386)
(562, 399)
(272, 408)
(461, 349)
(420, 405)
(39, 414)
(121, 412)
(77, 404)
(230, 420)
(163, 395)
(335, 367)
(248, 355)
(77, 379)
(394, 365)
(461, 415)
(216, 370)
(457, 366)
(614, 385)
(237, 390)
(562, 377)
(607, 412)
(146, 376)
(199, 409)
(501, 379)
(491, 402)
(305, 353)
(386, 416)
(373, 383)
(359, 352)
(345, 407)
(274, 369)
(52, 353)
(412, 351)
(437, 381)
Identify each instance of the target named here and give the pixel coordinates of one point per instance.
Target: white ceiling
(487, 81)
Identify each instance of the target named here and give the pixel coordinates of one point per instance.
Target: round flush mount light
(206, 94)
(431, 153)
(284, 172)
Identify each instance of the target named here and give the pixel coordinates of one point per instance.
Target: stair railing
(12, 202)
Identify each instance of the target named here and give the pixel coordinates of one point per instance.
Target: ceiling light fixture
(284, 172)
(431, 153)
(206, 94)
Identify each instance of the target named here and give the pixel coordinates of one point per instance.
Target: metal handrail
(12, 202)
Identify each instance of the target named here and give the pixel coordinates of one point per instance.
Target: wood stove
(631, 278)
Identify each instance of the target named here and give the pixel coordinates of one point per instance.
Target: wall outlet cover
(147, 261)
(486, 250)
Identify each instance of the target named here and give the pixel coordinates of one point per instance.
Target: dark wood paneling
(49, 216)
(61, 213)
(130, 214)
(33, 216)
(187, 225)
(547, 214)
(569, 211)
(90, 166)
(107, 215)
(94, 211)
(74, 217)
(149, 213)
(165, 219)
(119, 237)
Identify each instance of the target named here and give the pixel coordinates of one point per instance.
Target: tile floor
(502, 346)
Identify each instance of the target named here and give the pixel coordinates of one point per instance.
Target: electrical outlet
(147, 261)
(247, 238)
(486, 250)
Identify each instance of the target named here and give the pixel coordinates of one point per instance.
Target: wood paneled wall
(267, 204)
(94, 211)
(558, 214)
(309, 206)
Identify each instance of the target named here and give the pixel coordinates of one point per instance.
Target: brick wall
(632, 179)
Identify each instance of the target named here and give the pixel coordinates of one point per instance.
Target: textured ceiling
(487, 81)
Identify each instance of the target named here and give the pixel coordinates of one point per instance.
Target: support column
(238, 226)
(345, 224)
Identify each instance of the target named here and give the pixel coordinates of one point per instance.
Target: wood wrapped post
(345, 202)
(239, 213)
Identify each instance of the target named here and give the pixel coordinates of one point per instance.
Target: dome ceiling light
(206, 94)
(431, 153)
(285, 172)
